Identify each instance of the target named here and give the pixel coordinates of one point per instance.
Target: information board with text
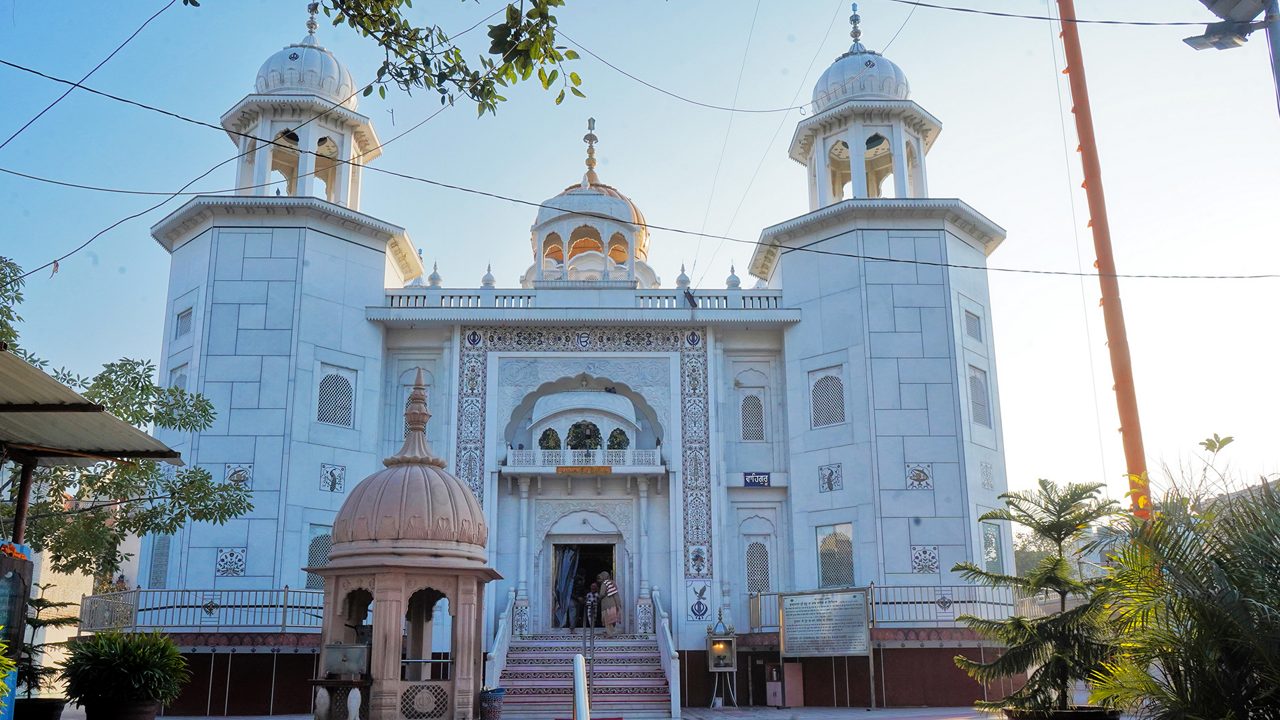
(825, 623)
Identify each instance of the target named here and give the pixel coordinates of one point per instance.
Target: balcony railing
(902, 606)
(584, 458)
(204, 610)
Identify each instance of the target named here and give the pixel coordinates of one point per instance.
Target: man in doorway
(610, 604)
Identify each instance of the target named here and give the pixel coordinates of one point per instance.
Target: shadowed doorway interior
(577, 566)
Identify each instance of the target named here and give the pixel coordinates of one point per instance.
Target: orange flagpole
(1112, 312)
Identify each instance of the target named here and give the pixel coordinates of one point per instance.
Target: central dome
(860, 74)
(413, 506)
(307, 68)
(592, 199)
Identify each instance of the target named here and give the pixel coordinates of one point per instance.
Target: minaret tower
(863, 101)
(318, 157)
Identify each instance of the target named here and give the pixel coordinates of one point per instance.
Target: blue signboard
(755, 479)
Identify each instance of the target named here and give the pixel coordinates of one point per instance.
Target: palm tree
(1059, 648)
(1196, 596)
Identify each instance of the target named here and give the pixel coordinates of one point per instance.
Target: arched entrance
(576, 547)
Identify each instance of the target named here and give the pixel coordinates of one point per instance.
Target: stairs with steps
(627, 678)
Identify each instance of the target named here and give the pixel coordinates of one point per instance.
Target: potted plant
(118, 676)
(1060, 647)
(34, 676)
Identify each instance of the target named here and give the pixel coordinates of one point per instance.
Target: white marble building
(837, 424)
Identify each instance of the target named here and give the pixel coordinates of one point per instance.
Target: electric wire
(765, 156)
(1051, 18)
(809, 247)
(724, 145)
(87, 75)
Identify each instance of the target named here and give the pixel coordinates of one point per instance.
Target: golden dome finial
(590, 139)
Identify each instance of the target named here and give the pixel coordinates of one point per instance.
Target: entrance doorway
(576, 566)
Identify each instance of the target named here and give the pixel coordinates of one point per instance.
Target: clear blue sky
(1188, 141)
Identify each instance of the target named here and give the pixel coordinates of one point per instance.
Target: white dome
(860, 74)
(307, 68)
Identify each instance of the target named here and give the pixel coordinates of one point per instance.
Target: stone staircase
(627, 678)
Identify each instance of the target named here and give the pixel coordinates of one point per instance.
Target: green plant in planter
(32, 675)
(584, 436)
(1064, 646)
(112, 669)
(6, 667)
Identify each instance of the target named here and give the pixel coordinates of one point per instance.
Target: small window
(752, 418)
(979, 403)
(835, 555)
(973, 325)
(992, 551)
(318, 553)
(827, 400)
(158, 573)
(335, 401)
(757, 567)
(182, 326)
(178, 377)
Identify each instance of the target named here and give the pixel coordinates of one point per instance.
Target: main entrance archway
(579, 539)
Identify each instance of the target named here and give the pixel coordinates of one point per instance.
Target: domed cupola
(860, 74)
(413, 508)
(306, 67)
(590, 232)
(866, 138)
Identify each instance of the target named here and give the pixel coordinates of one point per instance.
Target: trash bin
(491, 703)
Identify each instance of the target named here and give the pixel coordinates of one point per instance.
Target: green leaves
(112, 668)
(80, 515)
(521, 45)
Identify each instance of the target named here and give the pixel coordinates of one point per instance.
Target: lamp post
(1239, 19)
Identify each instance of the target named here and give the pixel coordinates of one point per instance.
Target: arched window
(879, 166)
(318, 553)
(618, 440)
(618, 249)
(550, 440)
(552, 248)
(752, 418)
(979, 404)
(757, 567)
(585, 239)
(827, 400)
(584, 435)
(835, 555)
(335, 401)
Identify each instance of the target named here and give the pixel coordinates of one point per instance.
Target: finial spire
(855, 32)
(416, 450)
(590, 139)
(312, 9)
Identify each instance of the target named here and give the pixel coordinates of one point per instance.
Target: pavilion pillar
(466, 636)
(856, 137)
(306, 160)
(261, 160)
(384, 657)
(342, 172)
(822, 171)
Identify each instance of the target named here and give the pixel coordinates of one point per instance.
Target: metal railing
(584, 458)
(667, 653)
(497, 660)
(908, 606)
(581, 694)
(282, 610)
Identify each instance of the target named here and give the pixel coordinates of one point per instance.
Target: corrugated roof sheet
(42, 418)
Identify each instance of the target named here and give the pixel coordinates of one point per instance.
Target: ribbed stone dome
(307, 68)
(413, 506)
(859, 74)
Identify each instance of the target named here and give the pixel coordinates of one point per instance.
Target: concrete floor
(74, 713)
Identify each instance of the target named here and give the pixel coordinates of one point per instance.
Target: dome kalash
(590, 233)
(860, 74)
(306, 67)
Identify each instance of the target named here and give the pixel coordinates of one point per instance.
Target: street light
(1239, 19)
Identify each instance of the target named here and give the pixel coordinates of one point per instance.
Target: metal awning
(44, 421)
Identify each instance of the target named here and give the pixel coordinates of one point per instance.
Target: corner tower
(895, 444)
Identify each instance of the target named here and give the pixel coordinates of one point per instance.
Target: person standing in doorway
(610, 604)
